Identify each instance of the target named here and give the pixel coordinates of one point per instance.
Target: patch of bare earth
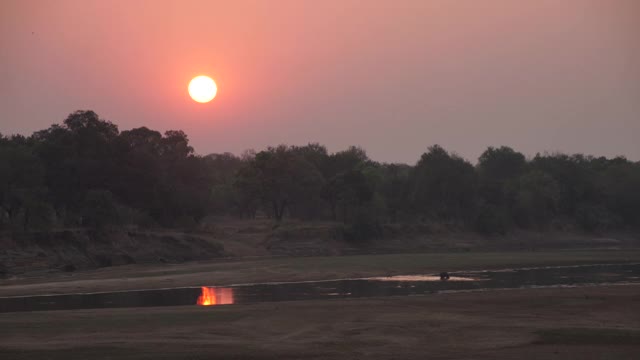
(509, 324)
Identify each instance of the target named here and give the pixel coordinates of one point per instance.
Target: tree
(283, 179)
(162, 176)
(222, 170)
(316, 155)
(497, 167)
(79, 155)
(342, 161)
(85, 172)
(141, 173)
(574, 177)
(100, 209)
(501, 163)
(620, 187)
(536, 199)
(393, 188)
(23, 196)
(175, 146)
(347, 191)
(91, 128)
(247, 186)
(442, 186)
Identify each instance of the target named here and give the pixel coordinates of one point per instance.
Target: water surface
(331, 289)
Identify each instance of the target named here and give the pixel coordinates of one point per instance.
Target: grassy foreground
(226, 272)
(578, 323)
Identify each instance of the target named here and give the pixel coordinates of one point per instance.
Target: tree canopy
(86, 173)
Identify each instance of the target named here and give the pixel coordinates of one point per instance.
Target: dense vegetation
(86, 173)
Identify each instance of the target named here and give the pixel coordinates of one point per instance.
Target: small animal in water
(444, 276)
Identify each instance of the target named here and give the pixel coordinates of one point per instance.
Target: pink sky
(391, 76)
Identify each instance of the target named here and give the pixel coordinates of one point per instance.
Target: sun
(202, 89)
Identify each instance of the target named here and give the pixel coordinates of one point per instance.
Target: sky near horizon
(391, 76)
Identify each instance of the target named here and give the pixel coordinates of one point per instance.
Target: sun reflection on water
(215, 296)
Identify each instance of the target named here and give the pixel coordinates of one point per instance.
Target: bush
(68, 268)
(185, 222)
(100, 209)
(491, 220)
(362, 229)
(594, 218)
(35, 215)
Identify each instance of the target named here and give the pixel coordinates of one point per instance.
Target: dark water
(350, 288)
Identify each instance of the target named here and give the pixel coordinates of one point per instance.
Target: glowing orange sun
(202, 89)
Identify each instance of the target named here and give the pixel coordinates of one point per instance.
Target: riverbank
(270, 269)
(574, 323)
(43, 253)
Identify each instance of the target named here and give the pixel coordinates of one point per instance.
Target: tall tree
(537, 197)
(443, 185)
(497, 167)
(285, 179)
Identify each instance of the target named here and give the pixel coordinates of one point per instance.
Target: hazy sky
(391, 76)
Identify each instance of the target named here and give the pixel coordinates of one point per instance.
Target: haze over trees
(86, 173)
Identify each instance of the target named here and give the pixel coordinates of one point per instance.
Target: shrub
(491, 220)
(362, 229)
(100, 209)
(594, 218)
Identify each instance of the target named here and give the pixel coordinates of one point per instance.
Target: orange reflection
(215, 296)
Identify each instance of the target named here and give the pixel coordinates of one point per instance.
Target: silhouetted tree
(443, 186)
(347, 192)
(283, 178)
(497, 167)
(536, 195)
(84, 172)
(393, 189)
(99, 209)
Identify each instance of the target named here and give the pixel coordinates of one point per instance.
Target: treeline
(86, 173)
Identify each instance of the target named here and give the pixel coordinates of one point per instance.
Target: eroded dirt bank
(73, 250)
